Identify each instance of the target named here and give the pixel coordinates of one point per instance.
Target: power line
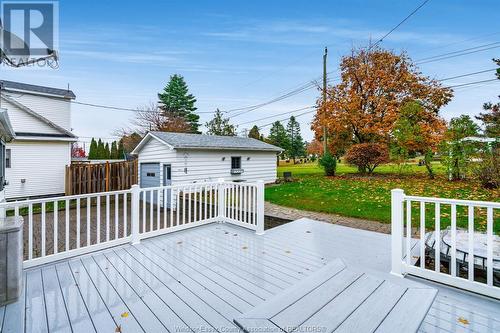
(295, 91)
(101, 106)
(457, 54)
(276, 115)
(440, 47)
(313, 106)
(280, 98)
(308, 112)
(459, 51)
(312, 83)
(468, 74)
(399, 24)
(471, 83)
(296, 116)
(379, 41)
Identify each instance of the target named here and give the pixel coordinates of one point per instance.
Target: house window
(7, 158)
(236, 162)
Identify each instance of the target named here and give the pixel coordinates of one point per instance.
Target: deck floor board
(78, 314)
(208, 279)
(217, 271)
(174, 272)
(255, 267)
(57, 316)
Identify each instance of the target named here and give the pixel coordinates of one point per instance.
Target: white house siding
(57, 110)
(41, 163)
(207, 165)
(24, 122)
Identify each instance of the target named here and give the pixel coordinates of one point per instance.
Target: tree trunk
(428, 164)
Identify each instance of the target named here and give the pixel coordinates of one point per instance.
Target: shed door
(150, 177)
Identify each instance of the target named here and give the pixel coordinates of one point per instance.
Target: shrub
(487, 171)
(367, 156)
(329, 164)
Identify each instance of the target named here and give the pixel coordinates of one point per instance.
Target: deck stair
(338, 299)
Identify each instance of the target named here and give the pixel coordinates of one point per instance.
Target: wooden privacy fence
(101, 177)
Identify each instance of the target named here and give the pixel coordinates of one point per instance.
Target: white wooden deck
(200, 279)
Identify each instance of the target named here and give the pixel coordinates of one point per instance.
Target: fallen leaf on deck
(124, 315)
(244, 247)
(118, 329)
(462, 320)
(179, 242)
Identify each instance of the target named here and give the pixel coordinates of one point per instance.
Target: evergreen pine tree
(296, 147)
(101, 154)
(220, 126)
(121, 150)
(278, 136)
(176, 101)
(92, 150)
(114, 151)
(254, 133)
(106, 152)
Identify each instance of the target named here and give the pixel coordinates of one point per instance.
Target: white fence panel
(461, 255)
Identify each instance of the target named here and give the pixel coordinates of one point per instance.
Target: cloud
(126, 57)
(305, 33)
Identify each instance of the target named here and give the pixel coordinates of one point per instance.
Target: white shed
(172, 158)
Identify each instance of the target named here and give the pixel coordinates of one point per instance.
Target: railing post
(134, 219)
(221, 200)
(397, 198)
(260, 207)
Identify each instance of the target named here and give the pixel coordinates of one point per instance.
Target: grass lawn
(368, 197)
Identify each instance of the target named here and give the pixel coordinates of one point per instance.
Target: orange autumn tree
(366, 104)
(314, 148)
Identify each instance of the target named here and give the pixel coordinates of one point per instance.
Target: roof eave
(230, 148)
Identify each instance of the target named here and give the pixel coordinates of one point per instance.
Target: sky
(233, 54)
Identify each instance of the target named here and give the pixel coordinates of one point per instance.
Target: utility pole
(325, 143)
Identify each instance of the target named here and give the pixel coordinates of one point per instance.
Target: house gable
(25, 120)
(146, 140)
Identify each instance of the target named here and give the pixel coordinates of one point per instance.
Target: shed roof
(18, 86)
(212, 142)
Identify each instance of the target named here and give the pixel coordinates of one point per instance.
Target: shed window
(7, 158)
(235, 162)
(151, 174)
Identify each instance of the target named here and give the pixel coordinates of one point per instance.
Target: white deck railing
(461, 263)
(61, 227)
